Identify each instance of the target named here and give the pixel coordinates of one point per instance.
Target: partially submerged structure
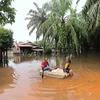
(26, 48)
(3, 56)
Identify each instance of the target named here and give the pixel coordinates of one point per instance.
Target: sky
(19, 28)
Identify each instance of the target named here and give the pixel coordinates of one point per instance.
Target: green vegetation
(7, 13)
(64, 29)
(36, 18)
(6, 38)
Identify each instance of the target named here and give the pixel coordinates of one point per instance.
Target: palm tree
(61, 27)
(36, 18)
(91, 12)
(58, 10)
(51, 28)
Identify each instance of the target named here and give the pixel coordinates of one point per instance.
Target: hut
(26, 48)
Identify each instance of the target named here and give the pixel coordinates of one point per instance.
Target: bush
(48, 49)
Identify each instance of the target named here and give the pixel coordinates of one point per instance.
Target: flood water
(22, 81)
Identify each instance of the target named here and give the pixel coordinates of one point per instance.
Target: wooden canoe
(56, 73)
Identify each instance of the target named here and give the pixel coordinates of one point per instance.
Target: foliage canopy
(7, 12)
(6, 38)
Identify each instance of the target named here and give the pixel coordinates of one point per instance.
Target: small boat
(56, 73)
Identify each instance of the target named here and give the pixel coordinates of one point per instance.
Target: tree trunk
(0, 57)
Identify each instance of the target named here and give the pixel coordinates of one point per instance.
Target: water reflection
(23, 75)
(18, 58)
(6, 78)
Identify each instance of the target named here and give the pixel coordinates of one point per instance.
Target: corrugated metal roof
(21, 45)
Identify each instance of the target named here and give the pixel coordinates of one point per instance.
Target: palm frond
(27, 18)
(89, 4)
(91, 12)
(39, 9)
(77, 1)
(73, 34)
(36, 18)
(94, 13)
(32, 30)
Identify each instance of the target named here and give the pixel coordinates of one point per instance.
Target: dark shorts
(66, 70)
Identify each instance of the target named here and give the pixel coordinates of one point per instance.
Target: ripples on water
(22, 81)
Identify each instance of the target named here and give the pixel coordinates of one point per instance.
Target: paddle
(42, 73)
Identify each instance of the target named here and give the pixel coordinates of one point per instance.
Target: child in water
(67, 68)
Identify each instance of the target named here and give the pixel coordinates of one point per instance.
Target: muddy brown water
(22, 81)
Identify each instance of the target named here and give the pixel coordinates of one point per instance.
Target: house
(26, 48)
